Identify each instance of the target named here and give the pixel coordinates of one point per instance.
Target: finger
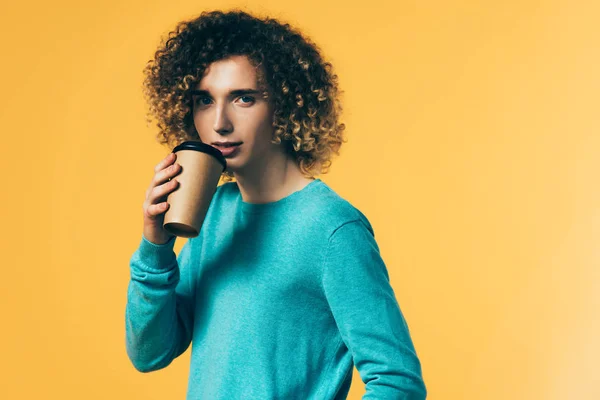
(160, 193)
(165, 162)
(155, 210)
(165, 174)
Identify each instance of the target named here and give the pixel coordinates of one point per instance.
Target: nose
(222, 123)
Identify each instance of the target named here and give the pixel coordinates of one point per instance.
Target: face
(228, 106)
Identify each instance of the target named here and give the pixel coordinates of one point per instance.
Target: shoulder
(324, 209)
(334, 211)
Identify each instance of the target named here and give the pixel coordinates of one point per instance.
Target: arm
(357, 288)
(160, 305)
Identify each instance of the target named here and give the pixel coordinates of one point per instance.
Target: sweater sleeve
(371, 324)
(160, 305)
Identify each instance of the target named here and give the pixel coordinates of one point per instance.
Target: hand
(155, 204)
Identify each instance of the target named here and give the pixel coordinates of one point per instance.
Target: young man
(284, 289)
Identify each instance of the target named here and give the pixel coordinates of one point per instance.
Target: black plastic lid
(203, 147)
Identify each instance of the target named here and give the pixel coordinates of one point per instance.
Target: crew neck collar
(276, 205)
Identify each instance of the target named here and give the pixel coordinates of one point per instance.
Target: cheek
(264, 124)
(201, 127)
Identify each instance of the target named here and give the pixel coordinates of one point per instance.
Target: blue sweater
(279, 301)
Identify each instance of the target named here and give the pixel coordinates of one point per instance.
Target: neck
(277, 177)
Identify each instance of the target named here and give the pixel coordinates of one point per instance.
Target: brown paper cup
(201, 169)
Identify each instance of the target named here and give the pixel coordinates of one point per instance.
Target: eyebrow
(236, 92)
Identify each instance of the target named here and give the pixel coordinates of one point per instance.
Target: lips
(226, 145)
(222, 147)
(228, 150)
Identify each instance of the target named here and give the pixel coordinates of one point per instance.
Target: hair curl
(302, 86)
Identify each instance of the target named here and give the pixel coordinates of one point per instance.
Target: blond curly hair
(303, 87)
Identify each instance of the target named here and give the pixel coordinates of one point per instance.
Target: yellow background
(473, 150)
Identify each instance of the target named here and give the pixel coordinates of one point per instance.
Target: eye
(251, 99)
(198, 100)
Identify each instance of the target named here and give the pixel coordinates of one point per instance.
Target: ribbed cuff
(157, 257)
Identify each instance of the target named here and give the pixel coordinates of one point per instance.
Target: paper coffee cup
(201, 169)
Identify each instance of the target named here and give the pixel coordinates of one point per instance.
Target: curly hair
(302, 86)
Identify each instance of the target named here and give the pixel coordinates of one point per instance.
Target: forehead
(230, 73)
